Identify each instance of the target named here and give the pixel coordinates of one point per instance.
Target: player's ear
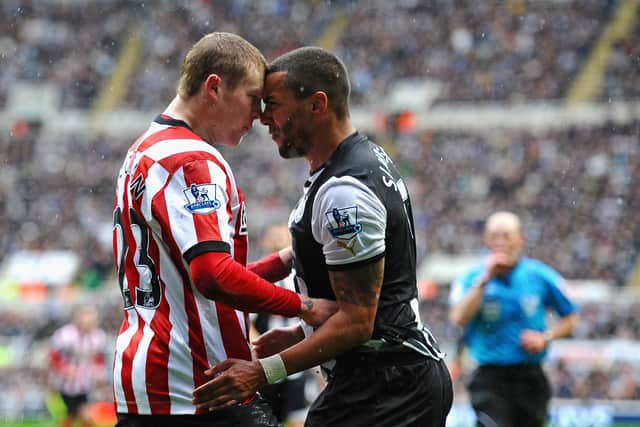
(212, 85)
(319, 102)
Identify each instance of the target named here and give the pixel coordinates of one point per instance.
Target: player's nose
(265, 118)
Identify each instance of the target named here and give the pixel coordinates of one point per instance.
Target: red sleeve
(218, 277)
(270, 268)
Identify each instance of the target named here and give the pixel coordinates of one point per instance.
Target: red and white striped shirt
(77, 359)
(176, 198)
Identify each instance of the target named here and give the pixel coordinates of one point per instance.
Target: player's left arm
(537, 341)
(273, 267)
(556, 299)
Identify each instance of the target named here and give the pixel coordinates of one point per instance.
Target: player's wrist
(548, 337)
(273, 368)
(306, 305)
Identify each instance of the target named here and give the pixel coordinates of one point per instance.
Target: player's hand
(234, 381)
(276, 340)
(533, 341)
(315, 311)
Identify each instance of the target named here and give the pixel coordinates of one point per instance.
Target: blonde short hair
(226, 54)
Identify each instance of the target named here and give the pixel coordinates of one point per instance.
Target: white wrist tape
(273, 368)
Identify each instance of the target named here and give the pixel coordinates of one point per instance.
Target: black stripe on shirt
(343, 267)
(207, 246)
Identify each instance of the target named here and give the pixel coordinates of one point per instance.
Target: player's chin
(276, 137)
(237, 139)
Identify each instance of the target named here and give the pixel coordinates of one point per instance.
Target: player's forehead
(274, 84)
(253, 81)
(503, 225)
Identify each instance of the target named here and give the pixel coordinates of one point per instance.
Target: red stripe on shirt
(127, 366)
(158, 354)
(196, 337)
(235, 343)
(172, 132)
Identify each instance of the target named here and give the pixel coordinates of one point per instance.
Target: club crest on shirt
(530, 304)
(343, 222)
(201, 198)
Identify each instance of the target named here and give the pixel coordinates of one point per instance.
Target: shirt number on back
(147, 290)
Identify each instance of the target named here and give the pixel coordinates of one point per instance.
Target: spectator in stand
(77, 356)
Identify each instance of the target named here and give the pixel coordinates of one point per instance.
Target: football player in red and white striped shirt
(77, 363)
(180, 245)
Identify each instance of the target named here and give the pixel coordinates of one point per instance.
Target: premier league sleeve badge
(343, 222)
(201, 198)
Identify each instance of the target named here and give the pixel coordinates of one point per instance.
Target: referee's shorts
(515, 395)
(384, 389)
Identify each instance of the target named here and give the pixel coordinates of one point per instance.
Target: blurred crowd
(575, 189)
(479, 51)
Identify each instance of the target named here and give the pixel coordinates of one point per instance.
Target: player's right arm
(357, 293)
(200, 230)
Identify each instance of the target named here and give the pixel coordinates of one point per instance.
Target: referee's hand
(533, 341)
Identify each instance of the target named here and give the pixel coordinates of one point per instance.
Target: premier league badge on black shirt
(343, 222)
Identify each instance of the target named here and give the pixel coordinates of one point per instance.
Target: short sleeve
(192, 208)
(349, 221)
(557, 292)
(461, 286)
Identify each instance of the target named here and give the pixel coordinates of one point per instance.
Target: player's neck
(180, 110)
(190, 112)
(326, 142)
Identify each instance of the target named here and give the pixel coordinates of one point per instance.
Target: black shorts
(285, 397)
(399, 389)
(74, 402)
(255, 414)
(510, 395)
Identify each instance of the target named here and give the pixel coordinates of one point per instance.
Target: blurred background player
(77, 356)
(287, 398)
(502, 306)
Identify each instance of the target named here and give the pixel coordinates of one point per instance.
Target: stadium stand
(496, 131)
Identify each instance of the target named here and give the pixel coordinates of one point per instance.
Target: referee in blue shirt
(501, 305)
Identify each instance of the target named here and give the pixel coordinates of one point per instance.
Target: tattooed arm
(357, 292)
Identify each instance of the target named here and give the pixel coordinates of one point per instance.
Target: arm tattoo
(307, 303)
(360, 286)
